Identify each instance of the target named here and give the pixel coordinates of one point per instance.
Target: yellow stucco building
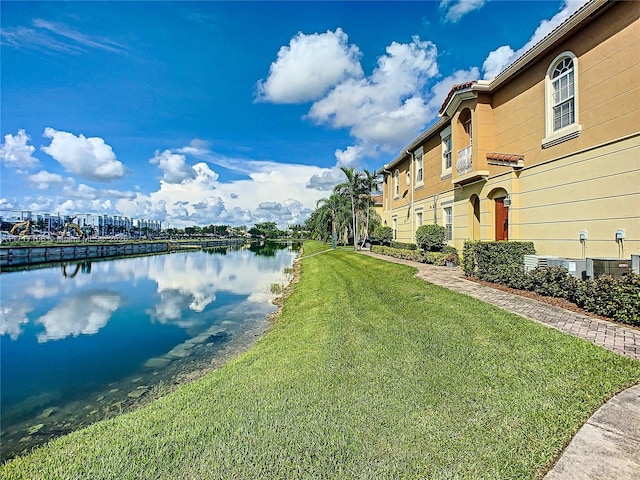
(548, 151)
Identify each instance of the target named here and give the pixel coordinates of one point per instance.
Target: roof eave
(551, 39)
(433, 129)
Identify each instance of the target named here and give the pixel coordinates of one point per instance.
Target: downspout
(384, 170)
(411, 209)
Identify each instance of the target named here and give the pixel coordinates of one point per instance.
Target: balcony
(464, 164)
(464, 168)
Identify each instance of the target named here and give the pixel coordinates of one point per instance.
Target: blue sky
(235, 113)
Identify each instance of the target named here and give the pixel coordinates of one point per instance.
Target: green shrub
(615, 298)
(435, 258)
(404, 246)
(503, 262)
(384, 234)
(499, 262)
(552, 282)
(469, 265)
(431, 238)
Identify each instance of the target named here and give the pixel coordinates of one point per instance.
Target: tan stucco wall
(591, 182)
(596, 190)
(607, 83)
(599, 192)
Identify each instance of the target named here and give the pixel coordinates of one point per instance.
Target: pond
(86, 341)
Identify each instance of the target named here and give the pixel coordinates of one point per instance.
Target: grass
(369, 373)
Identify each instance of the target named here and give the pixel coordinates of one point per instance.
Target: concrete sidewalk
(607, 447)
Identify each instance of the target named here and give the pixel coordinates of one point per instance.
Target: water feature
(86, 341)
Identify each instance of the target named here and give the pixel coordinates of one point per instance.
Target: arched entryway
(501, 213)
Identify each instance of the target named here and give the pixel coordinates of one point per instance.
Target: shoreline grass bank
(368, 372)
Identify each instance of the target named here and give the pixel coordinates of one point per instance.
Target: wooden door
(502, 220)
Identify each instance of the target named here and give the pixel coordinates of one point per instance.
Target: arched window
(561, 100)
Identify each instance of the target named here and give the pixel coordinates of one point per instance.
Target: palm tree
(351, 188)
(370, 183)
(329, 216)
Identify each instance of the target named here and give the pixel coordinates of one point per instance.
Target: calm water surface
(87, 341)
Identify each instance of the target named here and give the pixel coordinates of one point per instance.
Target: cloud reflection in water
(82, 314)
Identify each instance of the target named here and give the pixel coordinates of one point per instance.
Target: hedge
(434, 258)
(405, 246)
(497, 262)
(503, 262)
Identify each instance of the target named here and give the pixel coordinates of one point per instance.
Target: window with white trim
(561, 101)
(418, 219)
(396, 183)
(418, 159)
(563, 94)
(445, 137)
(448, 222)
(394, 222)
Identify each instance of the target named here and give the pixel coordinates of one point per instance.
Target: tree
(431, 238)
(370, 182)
(384, 234)
(330, 212)
(352, 188)
(267, 229)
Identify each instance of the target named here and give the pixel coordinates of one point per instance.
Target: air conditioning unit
(616, 267)
(531, 262)
(575, 266)
(635, 264)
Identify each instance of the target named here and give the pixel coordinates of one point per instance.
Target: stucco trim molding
(552, 140)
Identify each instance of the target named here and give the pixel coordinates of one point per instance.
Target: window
(419, 166)
(395, 228)
(396, 184)
(561, 100)
(446, 152)
(445, 137)
(563, 94)
(448, 222)
(418, 219)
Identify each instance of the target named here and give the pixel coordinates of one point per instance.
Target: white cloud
(15, 152)
(89, 158)
(43, 179)
(497, 60)
(441, 89)
(326, 180)
(454, 10)
(388, 108)
(309, 66)
(174, 166)
(350, 156)
(503, 56)
(79, 38)
(200, 198)
(56, 37)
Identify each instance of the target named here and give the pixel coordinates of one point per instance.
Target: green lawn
(368, 373)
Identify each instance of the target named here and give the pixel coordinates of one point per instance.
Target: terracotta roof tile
(454, 89)
(505, 157)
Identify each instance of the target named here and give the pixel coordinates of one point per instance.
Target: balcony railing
(464, 165)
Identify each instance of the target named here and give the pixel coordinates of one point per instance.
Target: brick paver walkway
(615, 337)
